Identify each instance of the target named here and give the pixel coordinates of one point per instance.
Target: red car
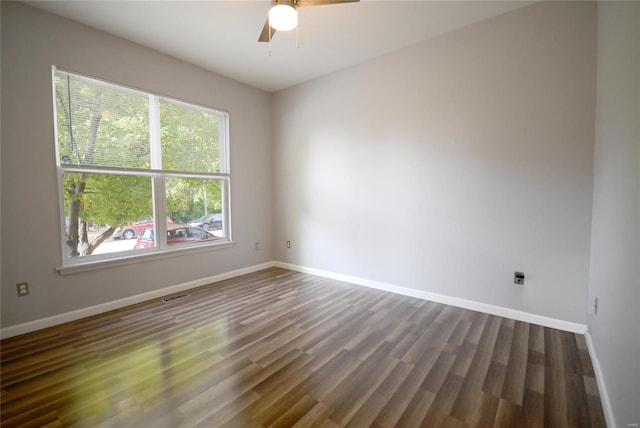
(175, 235)
(135, 229)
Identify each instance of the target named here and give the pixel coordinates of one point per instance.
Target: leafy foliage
(189, 198)
(100, 125)
(189, 139)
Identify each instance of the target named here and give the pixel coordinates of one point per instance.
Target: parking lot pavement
(113, 245)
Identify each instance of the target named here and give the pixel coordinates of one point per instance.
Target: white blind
(190, 138)
(101, 125)
(104, 125)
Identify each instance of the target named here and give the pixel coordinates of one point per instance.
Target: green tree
(106, 127)
(190, 198)
(103, 126)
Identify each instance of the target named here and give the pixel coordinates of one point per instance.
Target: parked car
(208, 222)
(135, 229)
(175, 235)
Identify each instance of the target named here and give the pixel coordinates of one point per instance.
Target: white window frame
(158, 176)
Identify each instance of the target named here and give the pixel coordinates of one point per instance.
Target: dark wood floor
(281, 349)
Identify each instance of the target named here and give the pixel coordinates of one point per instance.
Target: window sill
(86, 266)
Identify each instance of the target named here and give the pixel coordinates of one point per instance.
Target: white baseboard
(127, 301)
(481, 307)
(440, 298)
(448, 300)
(602, 388)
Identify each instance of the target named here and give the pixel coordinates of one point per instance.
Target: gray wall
(443, 167)
(449, 165)
(32, 41)
(615, 241)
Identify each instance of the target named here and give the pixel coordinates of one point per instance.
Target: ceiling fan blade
(264, 35)
(305, 3)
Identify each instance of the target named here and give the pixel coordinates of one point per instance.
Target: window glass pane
(99, 207)
(102, 128)
(197, 203)
(100, 125)
(190, 139)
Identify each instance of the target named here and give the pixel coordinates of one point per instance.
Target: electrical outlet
(23, 289)
(595, 307)
(288, 244)
(518, 278)
(256, 246)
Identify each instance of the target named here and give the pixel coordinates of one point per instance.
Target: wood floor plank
(513, 387)
(484, 413)
(532, 413)
(365, 416)
(508, 414)
(465, 354)
(555, 398)
(577, 412)
(534, 379)
(394, 379)
(468, 400)
(398, 402)
(324, 378)
(350, 394)
(417, 409)
(440, 408)
(313, 417)
(281, 348)
(478, 321)
(231, 410)
(294, 413)
(438, 372)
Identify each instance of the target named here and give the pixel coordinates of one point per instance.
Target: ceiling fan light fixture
(283, 17)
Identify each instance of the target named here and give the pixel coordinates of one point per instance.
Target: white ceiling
(221, 36)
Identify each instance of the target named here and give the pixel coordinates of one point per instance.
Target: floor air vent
(175, 298)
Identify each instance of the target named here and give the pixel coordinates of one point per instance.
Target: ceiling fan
(284, 17)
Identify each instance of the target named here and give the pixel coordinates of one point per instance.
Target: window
(127, 158)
